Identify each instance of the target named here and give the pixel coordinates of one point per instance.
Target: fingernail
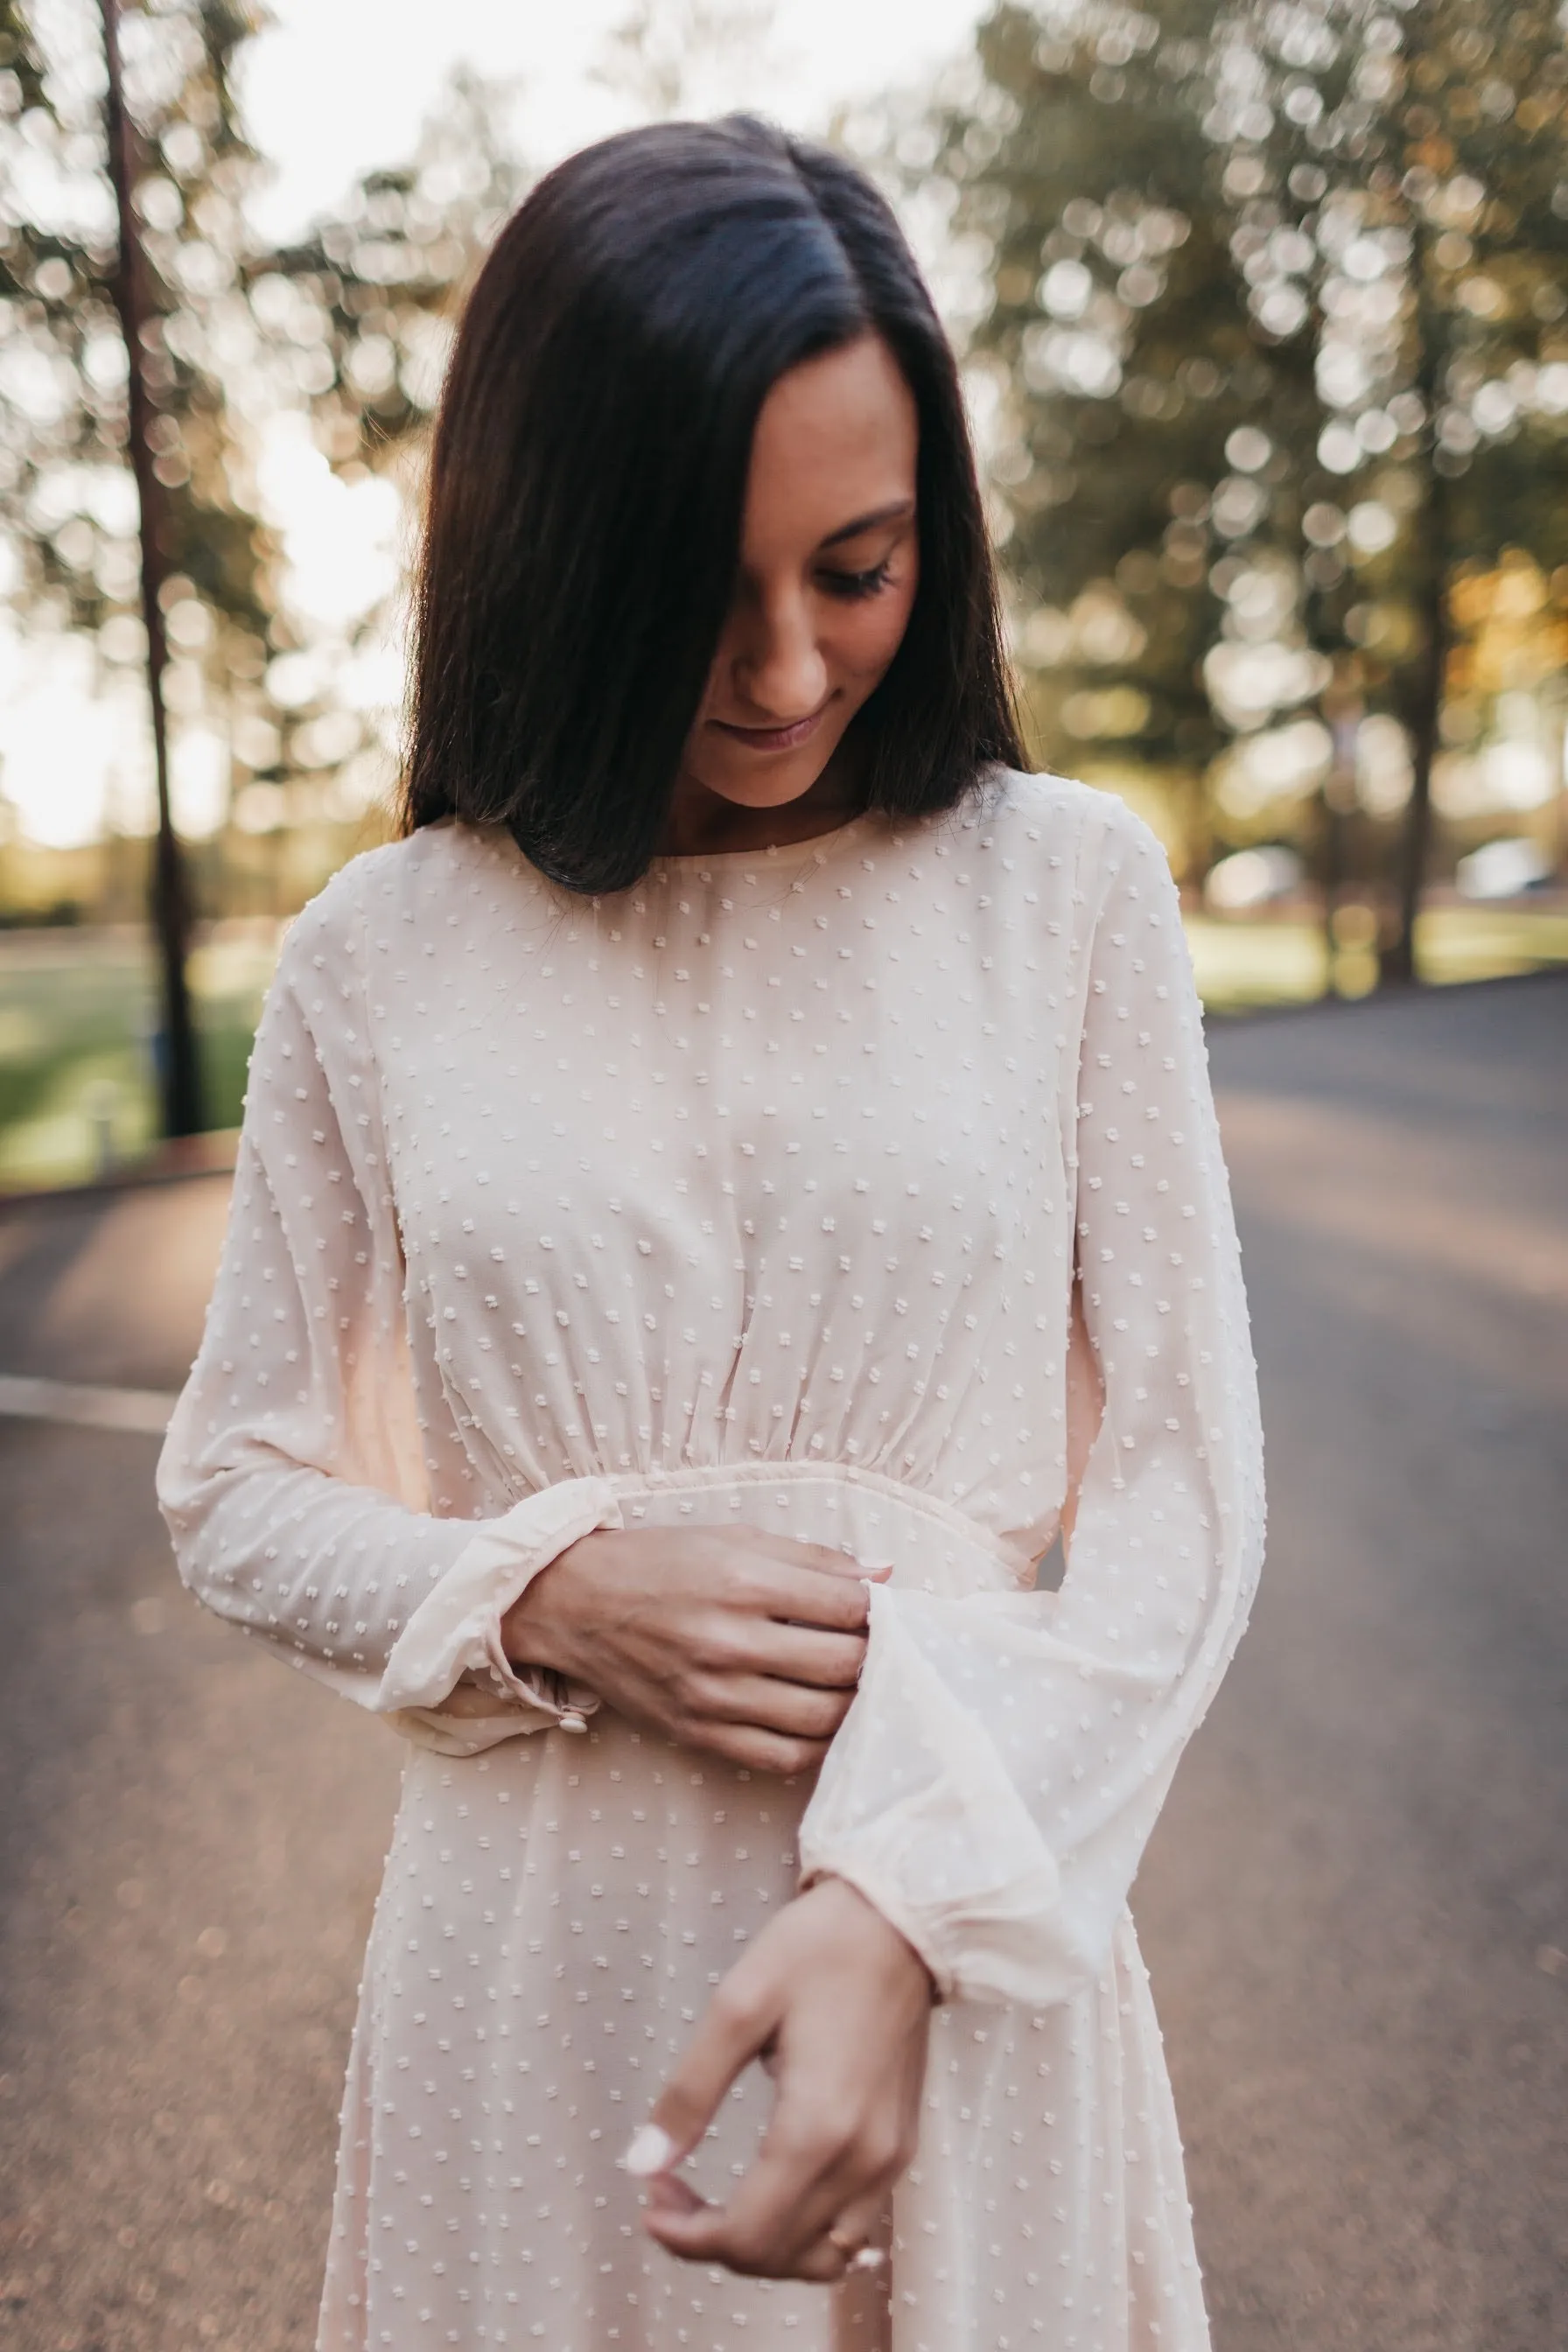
(652, 2150)
(875, 1569)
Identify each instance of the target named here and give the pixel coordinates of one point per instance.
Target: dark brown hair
(588, 480)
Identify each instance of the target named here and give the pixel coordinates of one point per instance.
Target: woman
(716, 1197)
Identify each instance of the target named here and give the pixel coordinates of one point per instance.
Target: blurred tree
(351, 326)
(92, 275)
(66, 498)
(1276, 304)
(356, 319)
(361, 311)
(347, 328)
(1154, 428)
(1432, 183)
(675, 58)
(179, 1066)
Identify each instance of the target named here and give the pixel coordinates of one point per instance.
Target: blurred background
(1264, 312)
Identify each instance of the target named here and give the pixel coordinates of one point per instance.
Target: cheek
(866, 638)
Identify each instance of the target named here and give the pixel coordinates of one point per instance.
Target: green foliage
(1276, 304)
(349, 326)
(66, 499)
(364, 305)
(353, 324)
(1434, 196)
(76, 1016)
(1151, 422)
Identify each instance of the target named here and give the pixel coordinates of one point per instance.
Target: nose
(778, 664)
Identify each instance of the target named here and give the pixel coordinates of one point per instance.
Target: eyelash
(854, 585)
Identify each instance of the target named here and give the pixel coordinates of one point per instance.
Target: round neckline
(764, 854)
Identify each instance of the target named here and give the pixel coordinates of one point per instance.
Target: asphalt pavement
(1355, 1908)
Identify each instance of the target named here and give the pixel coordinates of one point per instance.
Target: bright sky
(338, 84)
(332, 89)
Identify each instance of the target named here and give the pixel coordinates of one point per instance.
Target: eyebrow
(898, 512)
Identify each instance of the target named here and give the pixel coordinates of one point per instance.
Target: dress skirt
(552, 1912)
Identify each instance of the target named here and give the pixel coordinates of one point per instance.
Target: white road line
(145, 1410)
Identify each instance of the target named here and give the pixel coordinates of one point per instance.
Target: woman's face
(830, 561)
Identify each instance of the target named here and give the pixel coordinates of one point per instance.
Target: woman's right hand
(743, 1644)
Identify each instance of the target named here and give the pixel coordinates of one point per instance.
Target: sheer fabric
(755, 1195)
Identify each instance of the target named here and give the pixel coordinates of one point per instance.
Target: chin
(756, 782)
(776, 790)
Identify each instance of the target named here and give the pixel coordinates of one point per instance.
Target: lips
(773, 739)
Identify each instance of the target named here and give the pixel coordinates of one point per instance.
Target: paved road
(1356, 1908)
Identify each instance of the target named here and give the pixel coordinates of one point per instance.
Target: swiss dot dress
(750, 1197)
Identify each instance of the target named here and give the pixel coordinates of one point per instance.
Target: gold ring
(857, 2257)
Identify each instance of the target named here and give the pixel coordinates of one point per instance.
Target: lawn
(77, 1014)
(78, 1022)
(1243, 965)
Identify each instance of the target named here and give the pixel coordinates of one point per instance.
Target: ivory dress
(751, 1196)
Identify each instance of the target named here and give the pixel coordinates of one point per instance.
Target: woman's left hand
(836, 2005)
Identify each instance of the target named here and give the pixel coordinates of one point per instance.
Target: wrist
(539, 1628)
(904, 1957)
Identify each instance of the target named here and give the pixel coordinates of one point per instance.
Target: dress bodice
(761, 1161)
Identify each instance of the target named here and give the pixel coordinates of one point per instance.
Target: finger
(812, 1596)
(809, 2170)
(700, 2233)
(738, 2020)
(822, 1559)
(666, 2193)
(778, 2218)
(686, 2225)
(754, 1749)
(819, 2266)
(860, 2223)
(769, 1704)
(793, 1653)
(800, 1581)
(855, 2243)
(670, 2202)
(734, 1642)
(811, 2175)
(831, 1562)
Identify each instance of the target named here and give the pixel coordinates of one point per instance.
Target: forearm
(391, 1605)
(1001, 1769)
(327, 1571)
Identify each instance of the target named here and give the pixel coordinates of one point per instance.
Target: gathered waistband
(931, 1545)
(926, 1544)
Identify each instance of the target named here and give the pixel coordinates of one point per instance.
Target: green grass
(1245, 963)
(77, 1009)
(1489, 943)
(77, 1012)
(1241, 964)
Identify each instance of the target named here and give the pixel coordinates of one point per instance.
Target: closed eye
(852, 584)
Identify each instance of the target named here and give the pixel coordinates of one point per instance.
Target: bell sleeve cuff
(448, 1659)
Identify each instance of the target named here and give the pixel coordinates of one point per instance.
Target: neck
(701, 823)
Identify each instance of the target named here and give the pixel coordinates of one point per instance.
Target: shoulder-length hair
(587, 487)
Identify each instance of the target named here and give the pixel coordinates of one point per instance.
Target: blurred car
(1502, 870)
(1252, 877)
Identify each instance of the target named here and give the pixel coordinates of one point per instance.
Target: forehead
(838, 436)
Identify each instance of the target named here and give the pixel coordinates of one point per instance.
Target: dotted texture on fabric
(756, 1195)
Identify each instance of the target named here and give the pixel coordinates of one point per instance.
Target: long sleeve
(994, 1784)
(291, 1478)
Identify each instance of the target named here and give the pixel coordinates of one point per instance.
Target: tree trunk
(1398, 958)
(179, 1072)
